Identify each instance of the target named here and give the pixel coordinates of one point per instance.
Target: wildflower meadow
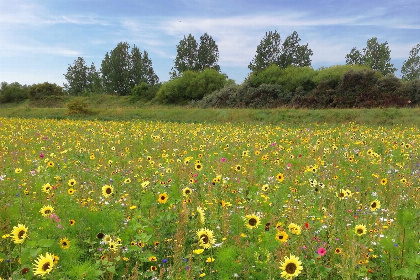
(160, 200)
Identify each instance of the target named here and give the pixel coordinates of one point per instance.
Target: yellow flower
(375, 205)
(205, 238)
(43, 265)
(280, 177)
(19, 233)
(209, 260)
(46, 211)
(291, 267)
(64, 243)
(107, 190)
(163, 198)
(282, 236)
(198, 251)
(360, 229)
(294, 229)
(252, 221)
(71, 182)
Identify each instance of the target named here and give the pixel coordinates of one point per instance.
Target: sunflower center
(373, 205)
(162, 197)
(187, 191)
(108, 190)
(341, 194)
(252, 222)
(47, 211)
(204, 238)
(64, 243)
(45, 266)
(291, 268)
(21, 234)
(359, 230)
(281, 236)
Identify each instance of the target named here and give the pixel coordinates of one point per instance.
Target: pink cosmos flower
(322, 251)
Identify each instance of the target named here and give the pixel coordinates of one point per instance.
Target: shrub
(265, 96)
(78, 107)
(226, 97)
(191, 86)
(411, 91)
(357, 89)
(144, 92)
(13, 92)
(40, 91)
(388, 88)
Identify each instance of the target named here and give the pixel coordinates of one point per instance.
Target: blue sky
(40, 38)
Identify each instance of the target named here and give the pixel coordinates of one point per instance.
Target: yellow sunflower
(71, 182)
(46, 188)
(384, 181)
(72, 222)
(19, 233)
(70, 191)
(205, 238)
(186, 191)
(64, 243)
(201, 214)
(198, 166)
(295, 229)
(252, 221)
(107, 190)
(360, 229)
(50, 164)
(280, 177)
(282, 236)
(163, 198)
(43, 265)
(46, 211)
(375, 205)
(291, 267)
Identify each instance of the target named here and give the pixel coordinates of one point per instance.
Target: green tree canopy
(122, 69)
(375, 55)
(411, 67)
(272, 51)
(195, 57)
(81, 78)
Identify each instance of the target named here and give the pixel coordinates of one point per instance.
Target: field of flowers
(157, 200)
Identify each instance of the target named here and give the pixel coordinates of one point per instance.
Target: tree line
(281, 75)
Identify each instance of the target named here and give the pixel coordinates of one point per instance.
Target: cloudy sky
(40, 38)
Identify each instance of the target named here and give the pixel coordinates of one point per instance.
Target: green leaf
(111, 269)
(35, 252)
(45, 243)
(410, 273)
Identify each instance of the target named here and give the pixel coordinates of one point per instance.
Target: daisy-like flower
(18, 170)
(50, 164)
(360, 229)
(46, 211)
(19, 234)
(291, 267)
(198, 251)
(107, 191)
(71, 183)
(337, 250)
(46, 188)
(252, 221)
(43, 264)
(198, 166)
(280, 177)
(72, 222)
(374, 205)
(282, 236)
(186, 191)
(70, 191)
(295, 229)
(64, 243)
(205, 238)
(113, 246)
(384, 181)
(163, 198)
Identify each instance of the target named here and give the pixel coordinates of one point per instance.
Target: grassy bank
(121, 108)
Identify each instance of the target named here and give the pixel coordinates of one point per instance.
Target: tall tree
(193, 56)
(293, 54)
(187, 56)
(272, 51)
(122, 69)
(411, 67)
(268, 52)
(77, 77)
(377, 56)
(208, 53)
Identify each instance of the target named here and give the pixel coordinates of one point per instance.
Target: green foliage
(41, 91)
(411, 68)
(195, 57)
(78, 107)
(81, 78)
(13, 92)
(226, 97)
(265, 96)
(190, 86)
(122, 69)
(411, 90)
(144, 92)
(272, 51)
(375, 55)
